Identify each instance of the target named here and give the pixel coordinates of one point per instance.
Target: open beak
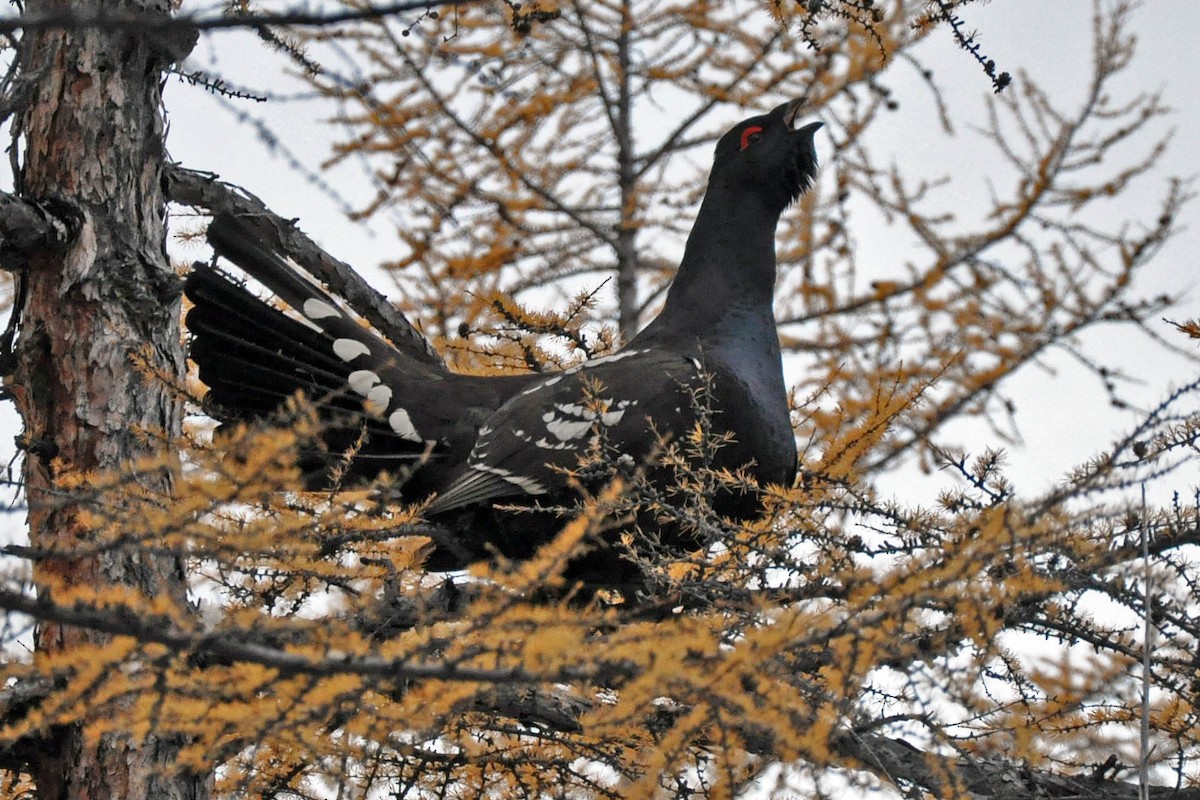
(791, 118)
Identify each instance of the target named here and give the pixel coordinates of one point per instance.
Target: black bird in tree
(467, 441)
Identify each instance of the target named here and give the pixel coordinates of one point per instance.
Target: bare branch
(143, 22)
(234, 646)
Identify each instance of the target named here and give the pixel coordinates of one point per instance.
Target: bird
(470, 446)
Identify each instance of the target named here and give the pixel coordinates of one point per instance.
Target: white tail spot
(361, 381)
(349, 349)
(378, 399)
(402, 424)
(319, 309)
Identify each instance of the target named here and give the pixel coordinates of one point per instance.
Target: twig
(108, 19)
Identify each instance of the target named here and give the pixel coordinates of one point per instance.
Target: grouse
(469, 443)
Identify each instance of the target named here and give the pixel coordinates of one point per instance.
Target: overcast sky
(1065, 418)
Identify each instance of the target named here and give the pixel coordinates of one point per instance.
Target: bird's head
(771, 156)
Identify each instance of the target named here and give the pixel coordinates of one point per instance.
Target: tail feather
(239, 341)
(253, 357)
(231, 239)
(234, 240)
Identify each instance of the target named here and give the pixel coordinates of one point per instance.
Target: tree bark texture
(93, 148)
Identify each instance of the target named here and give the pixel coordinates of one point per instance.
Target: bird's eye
(751, 135)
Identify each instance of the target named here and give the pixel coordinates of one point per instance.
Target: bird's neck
(727, 275)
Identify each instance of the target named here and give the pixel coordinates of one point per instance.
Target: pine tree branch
(515, 694)
(234, 645)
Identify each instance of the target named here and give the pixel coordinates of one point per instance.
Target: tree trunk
(93, 147)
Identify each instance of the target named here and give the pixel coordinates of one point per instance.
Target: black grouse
(471, 441)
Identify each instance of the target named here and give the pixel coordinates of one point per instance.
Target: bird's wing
(527, 444)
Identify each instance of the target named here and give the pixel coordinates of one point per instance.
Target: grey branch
(157, 23)
(988, 778)
(234, 645)
(16, 700)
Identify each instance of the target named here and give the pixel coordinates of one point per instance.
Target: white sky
(1065, 418)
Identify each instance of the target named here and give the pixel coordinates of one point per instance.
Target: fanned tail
(254, 357)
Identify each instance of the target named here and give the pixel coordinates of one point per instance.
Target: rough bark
(93, 144)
